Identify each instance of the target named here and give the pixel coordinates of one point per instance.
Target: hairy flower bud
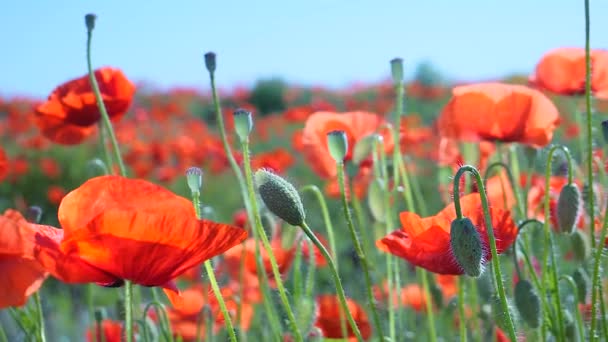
(582, 281)
(466, 246)
(337, 142)
(581, 248)
(568, 208)
(280, 197)
(528, 303)
(375, 200)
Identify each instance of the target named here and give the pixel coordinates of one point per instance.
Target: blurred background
(333, 43)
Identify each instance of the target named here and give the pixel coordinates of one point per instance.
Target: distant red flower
(499, 112)
(70, 114)
(108, 330)
(55, 194)
(239, 218)
(50, 167)
(562, 71)
(117, 229)
(425, 242)
(356, 125)
(277, 160)
(329, 312)
(22, 274)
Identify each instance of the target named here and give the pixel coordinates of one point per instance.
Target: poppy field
(398, 211)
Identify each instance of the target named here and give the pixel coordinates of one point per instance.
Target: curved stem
(326, 218)
(461, 300)
(164, 321)
(514, 186)
(490, 230)
(359, 250)
(520, 228)
(577, 311)
(337, 281)
(266, 243)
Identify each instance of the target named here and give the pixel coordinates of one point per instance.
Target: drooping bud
(337, 142)
(528, 303)
(581, 248)
(280, 197)
(34, 214)
(89, 20)
(568, 208)
(466, 246)
(582, 281)
(194, 178)
(243, 123)
(96, 167)
(363, 148)
(210, 61)
(375, 200)
(605, 131)
(397, 70)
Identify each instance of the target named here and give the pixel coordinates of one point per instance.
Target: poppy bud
(568, 208)
(363, 148)
(33, 214)
(570, 327)
(437, 295)
(337, 142)
(375, 200)
(466, 246)
(194, 177)
(527, 303)
(89, 20)
(96, 167)
(280, 197)
(100, 314)
(210, 61)
(582, 281)
(605, 131)
(397, 70)
(243, 123)
(581, 248)
(485, 288)
(501, 316)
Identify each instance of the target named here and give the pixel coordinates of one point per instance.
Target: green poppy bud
(280, 197)
(582, 281)
(210, 61)
(466, 246)
(581, 248)
(568, 208)
(337, 142)
(397, 70)
(375, 199)
(528, 303)
(243, 123)
(363, 148)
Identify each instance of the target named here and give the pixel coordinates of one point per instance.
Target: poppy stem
(262, 235)
(589, 147)
(359, 250)
(164, 322)
(577, 311)
(41, 333)
(105, 118)
(520, 229)
(514, 186)
(196, 201)
(102, 142)
(549, 249)
(337, 281)
(310, 276)
(461, 300)
(490, 231)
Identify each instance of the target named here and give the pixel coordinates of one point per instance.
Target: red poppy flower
(413, 296)
(277, 160)
(425, 242)
(356, 125)
(329, 310)
(499, 112)
(115, 228)
(562, 71)
(22, 274)
(108, 330)
(70, 114)
(4, 164)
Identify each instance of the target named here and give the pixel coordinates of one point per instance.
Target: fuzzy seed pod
(581, 248)
(528, 303)
(337, 142)
(281, 198)
(582, 284)
(568, 208)
(466, 246)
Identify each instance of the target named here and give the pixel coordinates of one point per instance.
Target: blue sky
(314, 42)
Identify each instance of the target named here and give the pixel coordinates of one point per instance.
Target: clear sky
(314, 42)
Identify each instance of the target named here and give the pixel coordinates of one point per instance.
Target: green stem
(520, 228)
(310, 276)
(359, 250)
(461, 300)
(490, 230)
(579, 317)
(591, 197)
(162, 315)
(337, 281)
(595, 282)
(3, 337)
(102, 142)
(266, 243)
(40, 313)
(514, 186)
(429, 305)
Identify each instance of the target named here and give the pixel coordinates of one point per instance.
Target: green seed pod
(583, 283)
(375, 200)
(337, 142)
(243, 123)
(581, 248)
(528, 303)
(194, 178)
(363, 148)
(89, 21)
(466, 246)
(210, 61)
(280, 197)
(568, 208)
(397, 70)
